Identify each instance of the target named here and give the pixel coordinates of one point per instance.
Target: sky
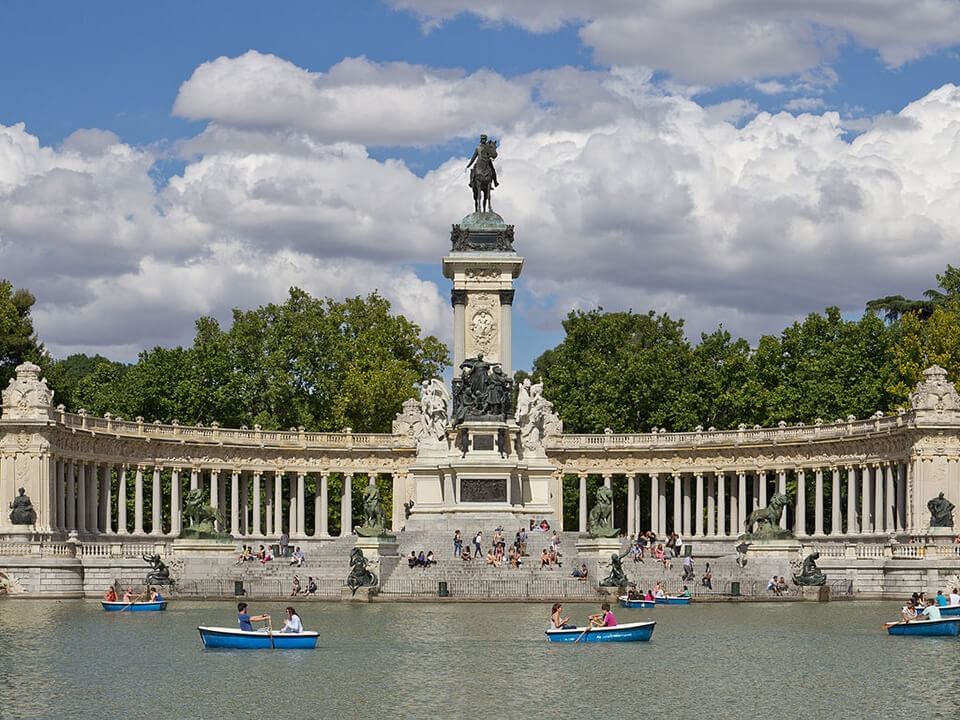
(734, 162)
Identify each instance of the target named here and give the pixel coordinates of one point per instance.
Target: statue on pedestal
(375, 519)
(483, 174)
(359, 575)
(535, 416)
(810, 575)
(21, 510)
(617, 577)
(941, 511)
(482, 391)
(767, 520)
(202, 518)
(159, 574)
(600, 520)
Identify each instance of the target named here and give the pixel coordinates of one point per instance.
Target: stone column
(278, 479)
(878, 514)
(699, 505)
(818, 503)
(221, 505)
(865, 505)
(662, 508)
(235, 503)
(268, 493)
(458, 298)
(901, 497)
(81, 497)
(92, 498)
(70, 490)
(763, 488)
(852, 526)
(583, 502)
(712, 505)
(506, 332)
(156, 521)
(890, 495)
(194, 479)
(677, 504)
(755, 504)
(292, 512)
(721, 503)
(215, 494)
(655, 503)
(608, 483)
(138, 502)
(687, 528)
(244, 503)
(742, 504)
(61, 496)
(346, 506)
(122, 502)
(782, 489)
(176, 504)
(106, 498)
(257, 531)
(631, 507)
(301, 505)
(836, 521)
(322, 527)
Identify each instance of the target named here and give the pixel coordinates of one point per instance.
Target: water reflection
(807, 660)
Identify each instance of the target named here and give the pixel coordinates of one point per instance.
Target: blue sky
(687, 229)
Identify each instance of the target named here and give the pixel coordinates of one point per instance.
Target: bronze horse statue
(483, 175)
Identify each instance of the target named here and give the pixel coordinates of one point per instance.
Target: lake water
(69, 659)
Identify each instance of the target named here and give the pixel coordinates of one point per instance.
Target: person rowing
(245, 619)
(604, 618)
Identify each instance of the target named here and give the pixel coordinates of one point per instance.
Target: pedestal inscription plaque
(483, 490)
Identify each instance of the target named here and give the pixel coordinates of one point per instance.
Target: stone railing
(257, 437)
(84, 549)
(880, 550)
(742, 436)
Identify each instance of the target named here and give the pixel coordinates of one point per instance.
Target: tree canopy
(18, 343)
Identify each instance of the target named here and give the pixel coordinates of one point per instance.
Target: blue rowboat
(221, 637)
(950, 611)
(626, 602)
(673, 600)
(944, 627)
(144, 606)
(629, 632)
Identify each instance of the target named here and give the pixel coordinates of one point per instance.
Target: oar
(270, 631)
(133, 601)
(583, 633)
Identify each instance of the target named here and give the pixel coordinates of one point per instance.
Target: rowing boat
(673, 600)
(221, 637)
(629, 632)
(944, 627)
(626, 602)
(143, 606)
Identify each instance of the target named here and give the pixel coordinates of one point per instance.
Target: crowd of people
(653, 593)
(150, 594)
(264, 554)
(646, 545)
(297, 588)
(500, 553)
(920, 607)
(421, 560)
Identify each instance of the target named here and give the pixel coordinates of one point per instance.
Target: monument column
(156, 521)
(687, 529)
(176, 504)
(122, 501)
(458, 298)
(836, 521)
(699, 506)
(583, 502)
(138, 502)
(346, 506)
(782, 489)
(235, 503)
(506, 331)
(81, 497)
(721, 503)
(257, 528)
(677, 504)
(322, 527)
(852, 500)
(71, 498)
(301, 505)
(631, 506)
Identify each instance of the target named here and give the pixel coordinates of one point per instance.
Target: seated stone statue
(21, 510)
(600, 520)
(810, 575)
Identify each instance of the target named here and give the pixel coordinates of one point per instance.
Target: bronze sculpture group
(359, 575)
(483, 391)
(21, 510)
(941, 512)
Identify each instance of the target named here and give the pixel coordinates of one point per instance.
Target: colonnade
(852, 499)
(92, 498)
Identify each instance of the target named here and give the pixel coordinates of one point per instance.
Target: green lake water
(68, 659)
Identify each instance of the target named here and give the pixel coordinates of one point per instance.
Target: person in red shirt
(604, 618)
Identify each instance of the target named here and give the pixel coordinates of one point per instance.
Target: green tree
(894, 307)
(66, 375)
(920, 344)
(18, 343)
(722, 388)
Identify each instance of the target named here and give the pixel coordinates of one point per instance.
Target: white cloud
(622, 195)
(718, 41)
(805, 104)
(355, 101)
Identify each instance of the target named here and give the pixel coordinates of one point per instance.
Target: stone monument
(479, 459)
(22, 512)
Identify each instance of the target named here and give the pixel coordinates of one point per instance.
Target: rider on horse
(485, 152)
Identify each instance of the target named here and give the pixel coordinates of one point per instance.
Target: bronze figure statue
(810, 575)
(483, 175)
(375, 519)
(941, 512)
(767, 520)
(600, 520)
(617, 577)
(21, 510)
(159, 573)
(359, 575)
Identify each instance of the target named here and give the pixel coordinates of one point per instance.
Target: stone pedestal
(788, 548)
(820, 593)
(205, 548)
(363, 595)
(597, 549)
(379, 548)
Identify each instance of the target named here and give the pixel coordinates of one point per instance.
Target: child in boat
(110, 595)
(244, 618)
(293, 624)
(604, 618)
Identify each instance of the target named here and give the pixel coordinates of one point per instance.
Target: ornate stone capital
(458, 297)
(506, 297)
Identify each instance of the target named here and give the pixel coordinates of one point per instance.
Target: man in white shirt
(955, 598)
